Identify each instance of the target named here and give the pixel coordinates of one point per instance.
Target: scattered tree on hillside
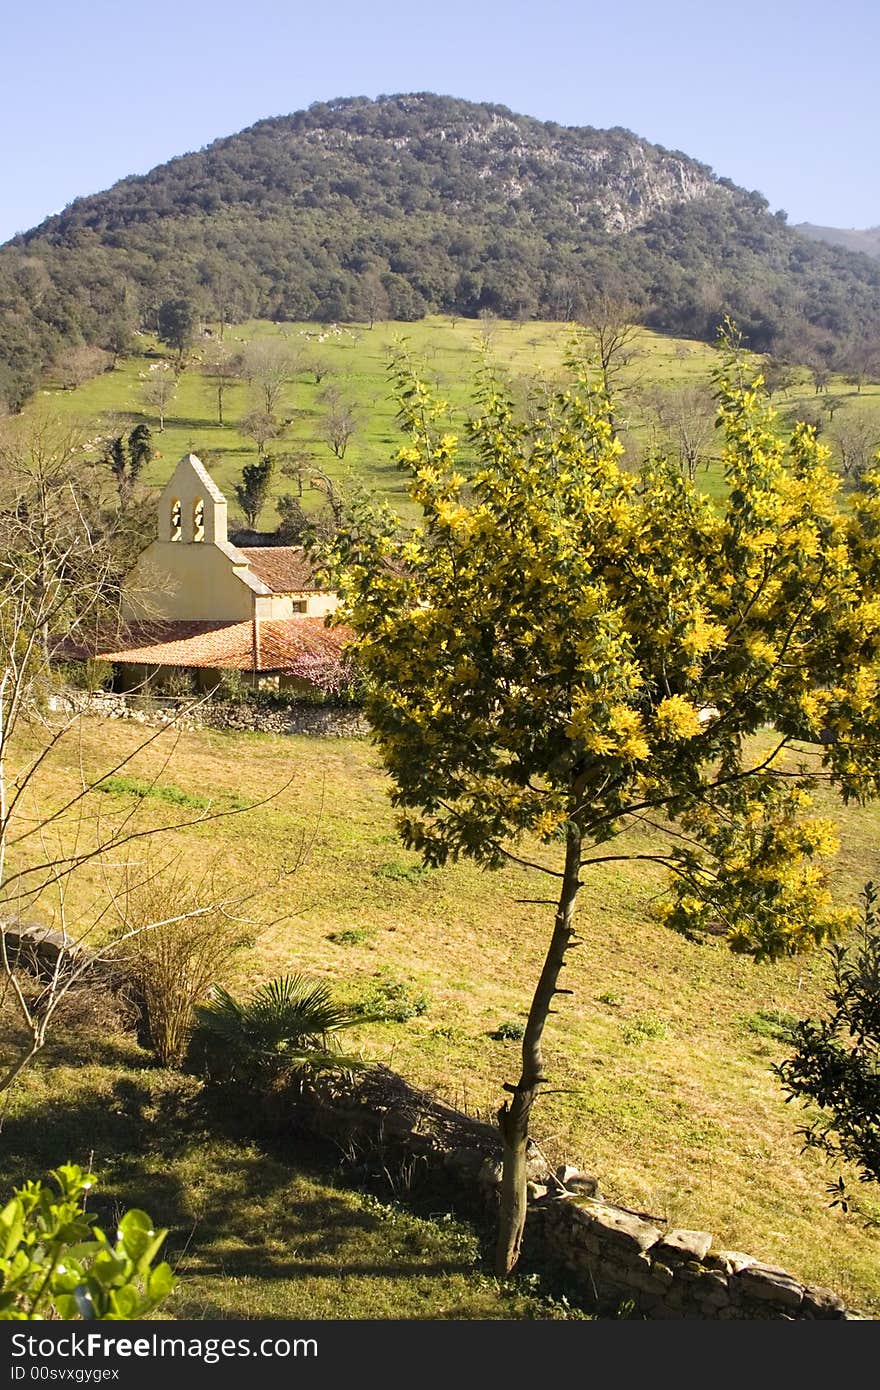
(612, 335)
(261, 428)
(221, 369)
(779, 377)
(158, 391)
(126, 458)
(140, 449)
(685, 421)
(831, 405)
(860, 360)
(836, 1059)
(77, 365)
(856, 439)
(564, 651)
(252, 491)
(821, 374)
(119, 332)
(270, 364)
(176, 323)
(373, 302)
(340, 425)
(318, 367)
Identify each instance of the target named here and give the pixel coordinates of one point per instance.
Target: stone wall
(611, 1255)
(338, 721)
(667, 1272)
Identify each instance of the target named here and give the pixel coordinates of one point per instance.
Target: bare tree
(159, 389)
(612, 339)
(832, 404)
(270, 364)
(261, 428)
(372, 299)
(684, 418)
(340, 425)
(488, 325)
(319, 367)
(855, 437)
(779, 377)
(221, 370)
(861, 361)
(78, 364)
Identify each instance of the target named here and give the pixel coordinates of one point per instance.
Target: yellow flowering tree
(563, 649)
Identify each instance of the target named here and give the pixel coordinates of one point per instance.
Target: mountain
(867, 241)
(410, 204)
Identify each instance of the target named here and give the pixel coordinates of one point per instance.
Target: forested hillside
(360, 209)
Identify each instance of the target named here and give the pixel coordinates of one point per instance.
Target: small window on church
(199, 519)
(299, 605)
(175, 519)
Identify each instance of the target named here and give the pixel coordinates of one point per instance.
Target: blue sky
(780, 96)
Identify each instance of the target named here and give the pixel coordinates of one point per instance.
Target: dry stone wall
(670, 1273)
(325, 720)
(612, 1255)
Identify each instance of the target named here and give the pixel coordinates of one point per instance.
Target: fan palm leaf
(286, 1024)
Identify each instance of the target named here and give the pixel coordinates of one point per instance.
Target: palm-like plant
(285, 1026)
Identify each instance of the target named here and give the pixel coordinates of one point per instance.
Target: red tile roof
(293, 646)
(285, 569)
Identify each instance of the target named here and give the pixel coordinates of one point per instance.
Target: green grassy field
(358, 357)
(659, 1063)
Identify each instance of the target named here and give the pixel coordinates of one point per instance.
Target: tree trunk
(513, 1117)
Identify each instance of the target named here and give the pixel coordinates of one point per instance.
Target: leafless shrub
(173, 965)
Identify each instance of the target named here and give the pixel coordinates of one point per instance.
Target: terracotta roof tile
(286, 569)
(292, 646)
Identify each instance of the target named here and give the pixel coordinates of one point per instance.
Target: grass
(253, 1232)
(160, 791)
(449, 350)
(685, 1119)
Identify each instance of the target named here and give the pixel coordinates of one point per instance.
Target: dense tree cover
(564, 653)
(357, 209)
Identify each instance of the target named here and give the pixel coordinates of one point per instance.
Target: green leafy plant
(643, 1028)
(285, 1026)
(389, 1000)
(400, 872)
(509, 1031)
(772, 1023)
(349, 936)
(836, 1059)
(55, 1262)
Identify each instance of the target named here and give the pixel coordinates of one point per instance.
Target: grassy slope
(664, 1087)
(359, 358)
(659, 1061)
(251, 1234)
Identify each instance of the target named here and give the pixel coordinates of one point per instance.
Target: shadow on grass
(234, 1210)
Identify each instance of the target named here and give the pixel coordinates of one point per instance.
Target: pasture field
(659, 1062)
(449, 351)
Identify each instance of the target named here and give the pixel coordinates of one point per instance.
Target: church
(196, 604)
